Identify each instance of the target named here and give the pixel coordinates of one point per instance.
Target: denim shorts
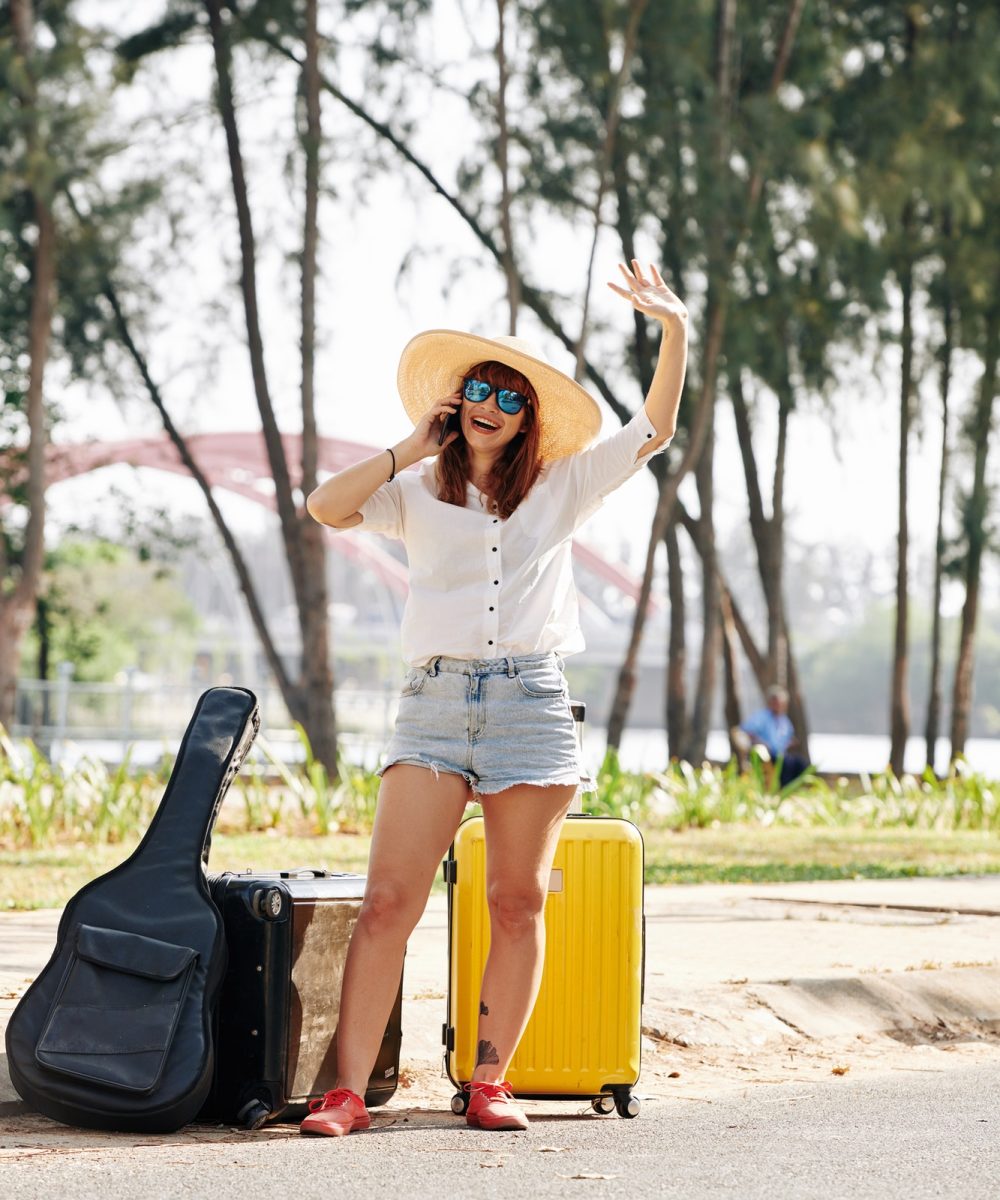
(497, 722)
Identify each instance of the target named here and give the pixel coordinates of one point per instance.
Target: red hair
(515, 472)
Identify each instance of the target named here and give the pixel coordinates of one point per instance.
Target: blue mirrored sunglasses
(477, 390)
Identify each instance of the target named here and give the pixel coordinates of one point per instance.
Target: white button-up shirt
(481, 587)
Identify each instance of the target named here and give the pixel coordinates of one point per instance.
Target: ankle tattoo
(487, 1054)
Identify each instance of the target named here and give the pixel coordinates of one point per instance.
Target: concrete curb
(926, 1005)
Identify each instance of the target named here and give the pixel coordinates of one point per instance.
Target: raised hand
(649, 294)
(423, 441)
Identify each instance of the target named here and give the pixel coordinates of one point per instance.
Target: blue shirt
(775, 730)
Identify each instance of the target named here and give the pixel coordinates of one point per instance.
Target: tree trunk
(301, 703)
(642, 347)
(274, 660)
(628, 671)
(715, 322)
(934, 686)
(43, 628)
(511, 273)
(311, 141)
(711, 624)
(317, 711)
(900, 701)
(779, 635)
(797, 713)
(735, 626)
(769, 540)
(287, 514)
(17, 605)
(312, 696)
(11, 635)
(755, 657)
(777, 640)
(611, 120)
(730, 662)
(762, 527)
(677, 729)
(976, 526)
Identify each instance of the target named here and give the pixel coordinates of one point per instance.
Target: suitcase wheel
(459, 1103)
(253, 1114)
(268, 903)
(603, 1104)
(628, 1105)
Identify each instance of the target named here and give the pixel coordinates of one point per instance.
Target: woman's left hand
(650, 295)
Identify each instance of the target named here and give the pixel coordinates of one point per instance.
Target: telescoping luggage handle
(579, 710)
(293, 873)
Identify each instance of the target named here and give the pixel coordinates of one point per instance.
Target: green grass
(42, 805)
(48, 878)
(725, 854)
(781, 854)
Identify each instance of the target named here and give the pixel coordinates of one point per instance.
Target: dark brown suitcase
(287, 933)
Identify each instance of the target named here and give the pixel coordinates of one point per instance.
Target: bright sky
(841, 474)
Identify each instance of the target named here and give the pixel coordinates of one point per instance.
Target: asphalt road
(909, 1134)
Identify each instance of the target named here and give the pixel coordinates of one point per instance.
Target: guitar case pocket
(115, 1014)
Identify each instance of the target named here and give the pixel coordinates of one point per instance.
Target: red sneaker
(339, 1112)
(491, 1106)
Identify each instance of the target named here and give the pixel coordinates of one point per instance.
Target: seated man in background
(771, 728)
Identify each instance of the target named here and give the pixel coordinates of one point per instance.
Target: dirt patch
(707, 1073)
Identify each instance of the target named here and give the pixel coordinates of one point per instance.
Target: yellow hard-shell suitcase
(584, 1036)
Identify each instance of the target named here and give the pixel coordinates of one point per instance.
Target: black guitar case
(116, 1032)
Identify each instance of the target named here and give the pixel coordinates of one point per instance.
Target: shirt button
(648, 436)
(494, 549)
(496, 520)
(496, 582)
(490, 642)
(491, 608)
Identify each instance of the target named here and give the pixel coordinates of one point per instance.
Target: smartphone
(447, 425)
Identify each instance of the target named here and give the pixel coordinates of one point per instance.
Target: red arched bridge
(238, 463)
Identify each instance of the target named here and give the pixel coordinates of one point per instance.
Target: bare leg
(522, 830)
(415, 823)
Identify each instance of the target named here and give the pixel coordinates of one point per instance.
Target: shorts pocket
(114, 1017)
(541, 681)
(414, 682)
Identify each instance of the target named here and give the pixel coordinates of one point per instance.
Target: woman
(487, 524)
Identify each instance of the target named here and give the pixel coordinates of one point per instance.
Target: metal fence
(110, 717)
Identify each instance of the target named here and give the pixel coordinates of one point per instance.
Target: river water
(646, 749)
(641, 750)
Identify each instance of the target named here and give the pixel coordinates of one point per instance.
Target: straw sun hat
(433, 363)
